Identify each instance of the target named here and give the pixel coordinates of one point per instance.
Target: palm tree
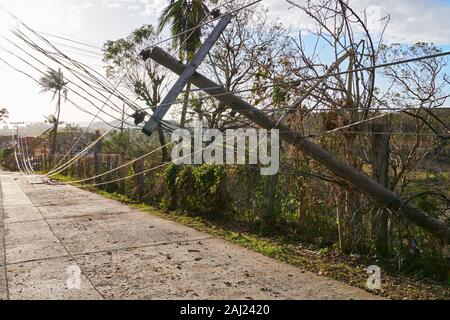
(184, 15)
(53, 81)
(4, 114)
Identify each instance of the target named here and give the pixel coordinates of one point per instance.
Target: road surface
(50, 234)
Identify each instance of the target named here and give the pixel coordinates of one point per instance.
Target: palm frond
(183, 15)
(53, 81)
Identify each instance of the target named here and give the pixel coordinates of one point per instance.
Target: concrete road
(50, 234)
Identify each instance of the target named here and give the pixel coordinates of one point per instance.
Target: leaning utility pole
(16, 125)
(360, 180)
(185, 76)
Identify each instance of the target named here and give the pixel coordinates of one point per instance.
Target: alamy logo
(211, 146)
(74, 278)
(73, 20)
(374, 280)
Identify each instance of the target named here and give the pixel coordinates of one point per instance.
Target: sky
(95, 21)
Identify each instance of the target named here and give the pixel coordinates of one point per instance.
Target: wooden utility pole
(380, 173)
(97, 151)
(185, 75)
(360, 180)
(123, 118)
(16, 134)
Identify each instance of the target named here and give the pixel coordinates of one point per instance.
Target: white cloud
(74, 17)
(153, 7)
(87, 5)
(117, 4)
(411, 20)
(145, 7)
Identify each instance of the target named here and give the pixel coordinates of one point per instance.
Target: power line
(189, 155)
(297, 82)
(68, 99)
(383, 115)
(48, 67)
(391, 109)
(137, 56)
(109, 88)
(369, 68)
(393, 133)
(122, 166)
(60, 167)
(74, 72)
(302, 80)
(16, 157)
(78, 65)
(88, 52)
(149, 170)
(84, 131)
(90, 124)
(16, 124)
(70, 40)
(307, 174)
(22, 154)
(160, 42)
(198, 26)
(28, 155)
(185, 32)
(128, 69)
(166, 126)
(71, 89)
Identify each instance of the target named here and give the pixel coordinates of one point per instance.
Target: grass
(423, 175)
(61, 178)
(329, 263)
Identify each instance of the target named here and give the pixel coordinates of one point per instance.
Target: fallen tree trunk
(375, 190)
